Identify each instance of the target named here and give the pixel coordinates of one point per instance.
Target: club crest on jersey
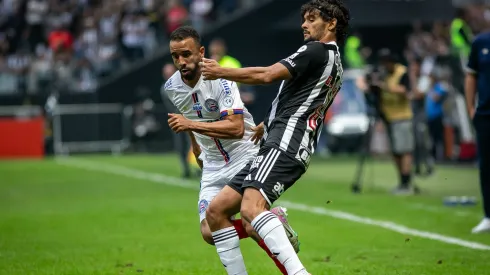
(203, 205)
(197, 106)
(211, 105)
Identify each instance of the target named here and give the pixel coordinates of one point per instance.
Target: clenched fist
(178, 123)
(210, 69)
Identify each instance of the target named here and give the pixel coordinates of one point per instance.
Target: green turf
(56, 219)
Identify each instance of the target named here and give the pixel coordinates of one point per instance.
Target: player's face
(314, 28)
(186, 55)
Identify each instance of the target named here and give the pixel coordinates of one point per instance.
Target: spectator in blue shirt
(478, 82)
(434, 110)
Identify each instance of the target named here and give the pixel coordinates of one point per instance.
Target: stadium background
(122, 209)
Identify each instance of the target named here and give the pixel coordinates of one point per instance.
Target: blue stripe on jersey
(222, 150)
(195, 99)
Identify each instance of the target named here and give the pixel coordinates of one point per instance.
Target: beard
(190, 74)
(309, 39)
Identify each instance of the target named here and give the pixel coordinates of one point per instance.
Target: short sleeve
(229, 100)
(309, 55)
(473, 58)
(169, 105)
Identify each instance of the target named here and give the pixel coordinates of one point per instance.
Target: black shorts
(272, 172)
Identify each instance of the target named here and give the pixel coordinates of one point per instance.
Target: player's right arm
(470, 79)
(295, 64)
(196, 150)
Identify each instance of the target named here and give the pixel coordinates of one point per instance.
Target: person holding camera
(396, 110)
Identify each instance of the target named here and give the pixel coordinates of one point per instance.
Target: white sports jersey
(209, 101)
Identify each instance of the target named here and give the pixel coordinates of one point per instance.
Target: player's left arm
(470, 84)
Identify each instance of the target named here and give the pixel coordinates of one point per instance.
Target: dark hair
(184, 33)
(330, 9)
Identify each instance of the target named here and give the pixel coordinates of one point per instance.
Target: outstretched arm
(311, 55)
(251, 75)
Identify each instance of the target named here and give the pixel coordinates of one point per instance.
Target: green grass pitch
(95, 215)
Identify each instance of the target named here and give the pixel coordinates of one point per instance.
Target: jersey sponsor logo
(211, 105)
(290, 59)
(278, 189)
(203, 205)
(226, 87)
(228, 101)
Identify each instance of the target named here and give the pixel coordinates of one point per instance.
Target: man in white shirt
(222, 132)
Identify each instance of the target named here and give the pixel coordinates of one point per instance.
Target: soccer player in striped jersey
(221, 133)
(311, 78)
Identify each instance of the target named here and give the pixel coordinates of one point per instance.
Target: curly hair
(330, 9)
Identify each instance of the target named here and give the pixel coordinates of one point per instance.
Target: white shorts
(212, 181)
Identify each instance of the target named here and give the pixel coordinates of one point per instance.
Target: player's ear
(332, 24)
(202, 51)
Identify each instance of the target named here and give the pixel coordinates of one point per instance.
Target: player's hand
(258, 133)
(178, 123)
(210, 69)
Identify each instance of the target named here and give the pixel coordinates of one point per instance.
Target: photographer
(395, 106)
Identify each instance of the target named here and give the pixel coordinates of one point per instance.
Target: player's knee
(253, 204)
(212, 215)
(206, 233)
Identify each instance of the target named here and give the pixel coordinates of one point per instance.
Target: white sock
(271, 230)
(228, 246)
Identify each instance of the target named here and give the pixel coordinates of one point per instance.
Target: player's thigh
(271, 174)
(402, 137)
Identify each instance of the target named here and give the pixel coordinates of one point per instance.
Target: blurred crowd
(70, 45)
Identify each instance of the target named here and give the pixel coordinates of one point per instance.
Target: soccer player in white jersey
(221, 130)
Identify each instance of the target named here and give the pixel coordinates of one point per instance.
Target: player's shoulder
(173, 83)
(316, 48)
(221, 86)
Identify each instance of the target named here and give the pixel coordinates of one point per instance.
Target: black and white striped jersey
(295, 120)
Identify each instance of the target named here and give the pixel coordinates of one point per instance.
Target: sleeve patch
(226, 87)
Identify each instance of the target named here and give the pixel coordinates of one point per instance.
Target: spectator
(200, 12)
(218, 51)
(60, 39)
(176, 16)
(84, 76)
(41, 73)
(434, 110)
(35, 15)
(134, 32)
(97, 30)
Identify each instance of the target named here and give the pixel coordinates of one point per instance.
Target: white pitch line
(173, 181)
